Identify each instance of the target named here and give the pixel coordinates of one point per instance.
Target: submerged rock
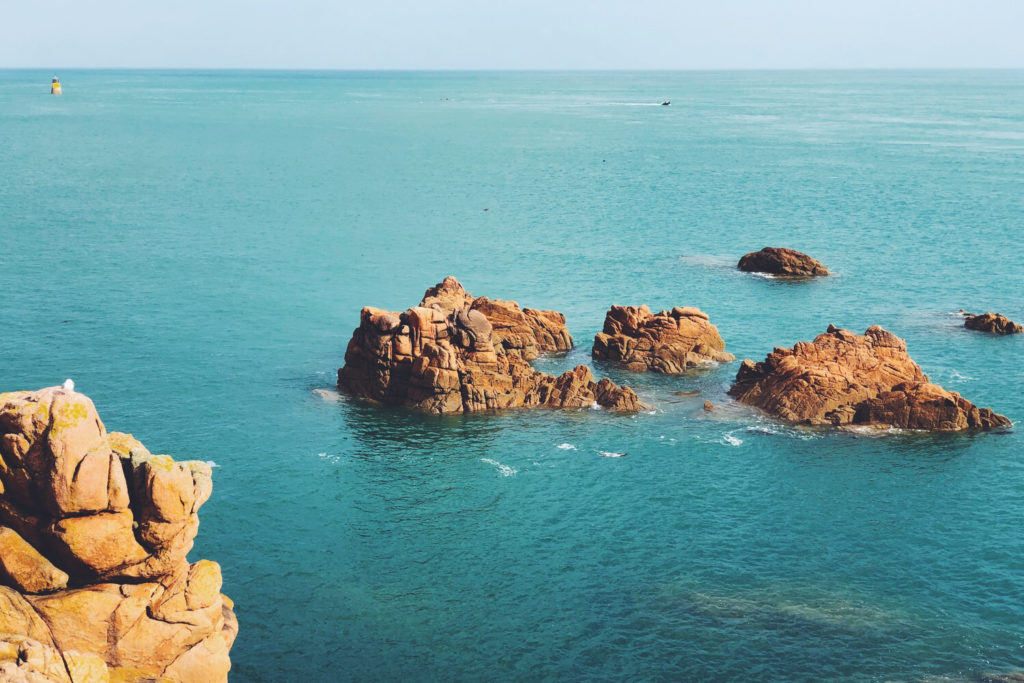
(455, 353)
(94, 533)
(996, 323)
(842, 378)
(669, 342)
(783, 262)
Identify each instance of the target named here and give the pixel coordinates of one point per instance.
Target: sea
(193, 248)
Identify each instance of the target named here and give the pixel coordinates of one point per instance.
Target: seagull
(68, 385)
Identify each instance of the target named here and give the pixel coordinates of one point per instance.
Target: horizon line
(512, 70)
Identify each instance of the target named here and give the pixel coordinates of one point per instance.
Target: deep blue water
(193, 248)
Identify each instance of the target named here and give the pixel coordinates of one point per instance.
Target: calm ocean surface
(193, 248)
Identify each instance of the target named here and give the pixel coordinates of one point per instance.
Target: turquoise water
(193, 248)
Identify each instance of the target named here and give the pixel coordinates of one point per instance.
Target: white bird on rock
(68, 385)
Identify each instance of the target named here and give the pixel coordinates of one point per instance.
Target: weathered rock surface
(455, 353)
(783, 262)
(842, 378)
(995, 323)
(669, 342)
(94, 532)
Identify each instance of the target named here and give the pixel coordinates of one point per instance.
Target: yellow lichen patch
(161, 462)
(8, 651)
(42, 412)
(68, 418)
(86, 668)
(198, 467)
(126, 444)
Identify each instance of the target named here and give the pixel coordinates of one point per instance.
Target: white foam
(328, 395)
(762, 429)
(566, 447)
(729, 440)
(328, 457)
(611, 454)
(211, 464)
(595, 406)
(504, 470)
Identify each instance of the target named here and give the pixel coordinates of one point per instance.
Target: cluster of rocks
(842, 378)
(670, 342)
(458, 354)
(996, 323)
(94, 532)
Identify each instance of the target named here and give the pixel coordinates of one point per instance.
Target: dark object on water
(996, 323)
(666, 103)
(695, 392)
(782, 262)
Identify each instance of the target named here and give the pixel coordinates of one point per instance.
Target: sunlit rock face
(454, 353)
(842, 378)
(782, 262)
(94, 534)
(670, 342)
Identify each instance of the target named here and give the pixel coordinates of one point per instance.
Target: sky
(513, 34)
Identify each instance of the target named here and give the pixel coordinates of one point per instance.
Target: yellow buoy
(55, 86)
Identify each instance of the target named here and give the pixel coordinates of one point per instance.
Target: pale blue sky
(516, 34)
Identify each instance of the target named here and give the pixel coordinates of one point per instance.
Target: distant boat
(55, 86)
(664, 104)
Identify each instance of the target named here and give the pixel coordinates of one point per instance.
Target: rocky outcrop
(782, 262)
(94, 532)
(669, 342)
(995, 323)
(455, 353)
(842, 378)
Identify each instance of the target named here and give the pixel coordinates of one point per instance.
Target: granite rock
(94, 534)
(996, 323)
(782, 262)
(455, 353)
(843, 379)
(670, 342)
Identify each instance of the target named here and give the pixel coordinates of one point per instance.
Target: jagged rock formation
(669, 342)
(455, 353)
(783, 262)
(842, 378)
(996, 323)
(94, 532)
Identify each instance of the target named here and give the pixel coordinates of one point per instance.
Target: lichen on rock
(94, 534)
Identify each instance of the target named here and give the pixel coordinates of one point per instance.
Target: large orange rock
(93, 544)
(842, 378)
(996, 323)
(670, 342)
(455, 353)
(782, 262)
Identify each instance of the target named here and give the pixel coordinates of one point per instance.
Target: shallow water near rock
(193, 249)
